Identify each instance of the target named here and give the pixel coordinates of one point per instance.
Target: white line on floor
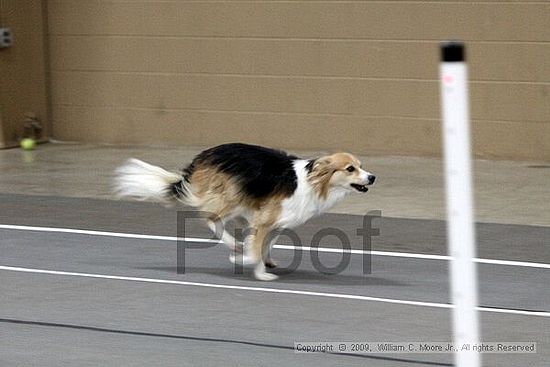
(282, 247)
(268, 290)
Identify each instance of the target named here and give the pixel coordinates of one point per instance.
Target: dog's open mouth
(360, 188)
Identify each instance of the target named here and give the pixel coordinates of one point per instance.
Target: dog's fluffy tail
(143, 181)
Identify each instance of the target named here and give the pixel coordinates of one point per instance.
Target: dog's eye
(350, 169)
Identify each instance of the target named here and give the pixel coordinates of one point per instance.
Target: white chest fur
(305, 203)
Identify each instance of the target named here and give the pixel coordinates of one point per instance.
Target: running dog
(269, 188)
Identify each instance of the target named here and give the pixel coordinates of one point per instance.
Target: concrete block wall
(354, 75)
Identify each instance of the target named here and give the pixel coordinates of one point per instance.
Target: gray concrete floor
(67, 320)
(408, 187)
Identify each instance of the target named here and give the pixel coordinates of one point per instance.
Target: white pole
(460, 221)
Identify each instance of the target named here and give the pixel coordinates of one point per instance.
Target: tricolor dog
(269, 188)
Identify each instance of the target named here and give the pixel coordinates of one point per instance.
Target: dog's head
(340, 170)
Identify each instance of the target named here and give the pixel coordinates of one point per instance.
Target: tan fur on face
(320, 176)
(331, 171)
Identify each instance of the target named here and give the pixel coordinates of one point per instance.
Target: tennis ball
(28, 144)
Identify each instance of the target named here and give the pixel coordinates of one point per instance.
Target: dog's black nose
(371, 179)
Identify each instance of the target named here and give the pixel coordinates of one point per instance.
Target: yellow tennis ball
(28, 144)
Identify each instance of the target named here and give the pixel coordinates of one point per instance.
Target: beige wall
(22, 69)
(356, 75)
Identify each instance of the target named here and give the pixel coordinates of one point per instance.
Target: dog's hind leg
(217, 226)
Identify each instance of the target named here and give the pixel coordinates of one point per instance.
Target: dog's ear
(323, 164)
(320, 175)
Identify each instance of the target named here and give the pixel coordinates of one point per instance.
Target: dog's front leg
(259, 246)
(266, 253)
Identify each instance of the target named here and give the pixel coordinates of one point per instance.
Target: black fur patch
(309, 165)
(260, 171)
(177, 190)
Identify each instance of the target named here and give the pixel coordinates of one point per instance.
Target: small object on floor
(28, 144)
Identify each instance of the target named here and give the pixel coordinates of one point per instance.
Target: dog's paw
(264, 276)
(261, 274)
